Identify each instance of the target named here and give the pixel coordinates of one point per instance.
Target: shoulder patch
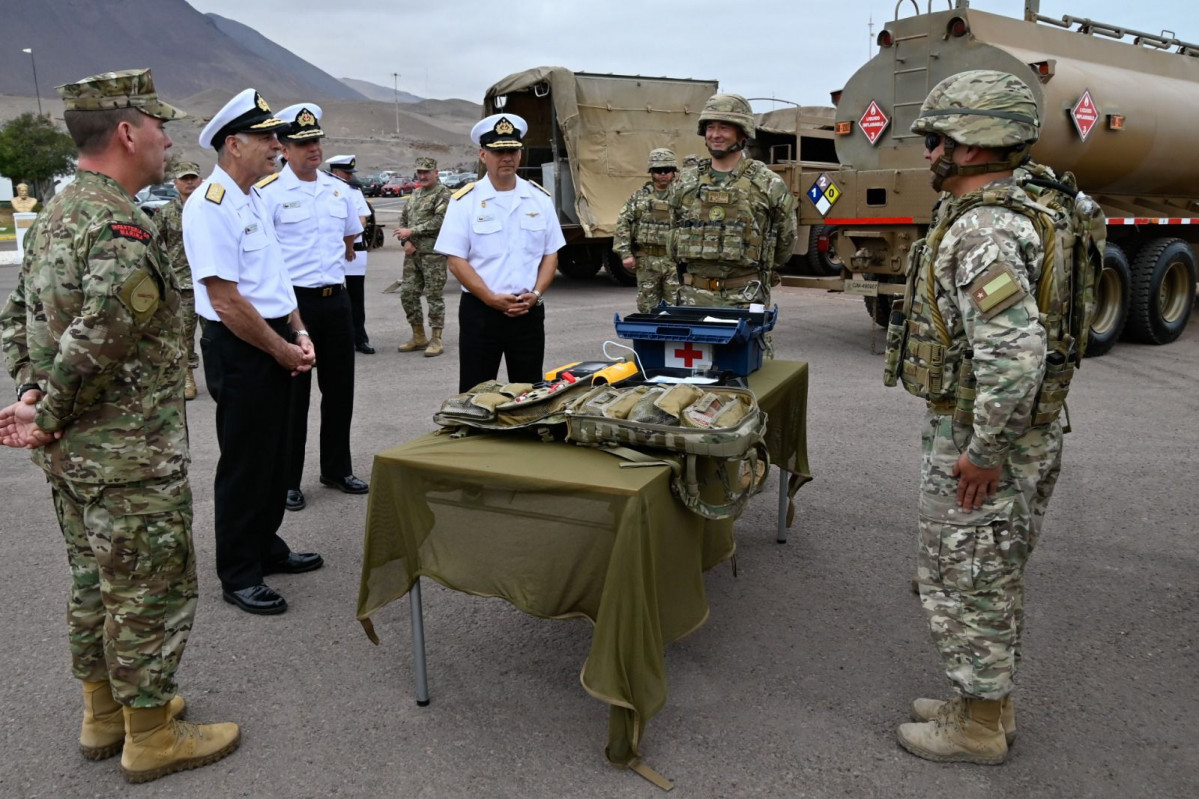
(268, 180)
(128, 230)
(215, 193)
(140, 294)
(996, 290)
(465, 190)
(544, 190)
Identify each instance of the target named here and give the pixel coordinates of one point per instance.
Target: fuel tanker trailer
(1119, 108)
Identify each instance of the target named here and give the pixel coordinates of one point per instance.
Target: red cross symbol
(687, 355)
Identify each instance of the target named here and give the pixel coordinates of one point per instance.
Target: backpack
(520, 407)
(693, 430)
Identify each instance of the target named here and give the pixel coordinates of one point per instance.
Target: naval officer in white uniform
(254, 344)
(502, 237)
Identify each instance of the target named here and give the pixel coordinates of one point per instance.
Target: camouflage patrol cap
(662, 158)
(187, 168)
(426, 164)
(129, 88)
(981, 108)
(731, 108)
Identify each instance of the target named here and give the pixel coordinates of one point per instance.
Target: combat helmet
(662, 158)
(980, 108)
(731, 108)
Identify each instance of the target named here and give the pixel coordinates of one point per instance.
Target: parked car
(459, 180)
(398, 187)
(371, 184)
(151, 198)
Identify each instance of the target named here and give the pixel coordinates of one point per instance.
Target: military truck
(588, 143)
(1117, 109)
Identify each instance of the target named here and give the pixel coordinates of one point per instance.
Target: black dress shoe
(365, 348)
(295, 563)
(295, 499)
(259, 599)
(348, 484)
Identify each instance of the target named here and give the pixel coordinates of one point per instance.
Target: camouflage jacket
(423, 214)
(741, 225)
(95, 321)
(169, 221)
(985, 271)
(643, 225)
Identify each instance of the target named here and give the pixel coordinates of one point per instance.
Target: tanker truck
(1117, 109)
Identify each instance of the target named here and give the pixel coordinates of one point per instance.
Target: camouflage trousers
(133, 583)
(188, 307)
(970, 564)
(424, 273)
(657, 280)
(740, 297)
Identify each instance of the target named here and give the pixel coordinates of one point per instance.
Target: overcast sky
(798, 50)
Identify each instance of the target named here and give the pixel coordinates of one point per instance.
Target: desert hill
(373, 91)
(188, 51)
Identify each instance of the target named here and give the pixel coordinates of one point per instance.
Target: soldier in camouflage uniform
(91, 335)
(972, 338)
(734, 219)
(424, 269)
(169, 220)
(643, 234)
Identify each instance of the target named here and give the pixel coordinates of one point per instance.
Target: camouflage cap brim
(130, 88)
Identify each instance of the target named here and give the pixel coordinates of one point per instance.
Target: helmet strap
(945, 167)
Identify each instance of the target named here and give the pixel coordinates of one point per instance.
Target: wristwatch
(540, 299)
(295, 334)
(21, 389)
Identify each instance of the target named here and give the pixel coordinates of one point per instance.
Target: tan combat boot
(417, 342)
(928, 709)
(157, 745)
(189, 384)
(967, 732)
(103, 732)
(435, 347)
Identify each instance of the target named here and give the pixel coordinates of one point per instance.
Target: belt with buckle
(718, 283)
(318, 291)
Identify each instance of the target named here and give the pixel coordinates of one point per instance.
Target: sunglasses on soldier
(931, 141)
(662, 170)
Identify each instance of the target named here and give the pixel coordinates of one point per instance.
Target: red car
(398, 187)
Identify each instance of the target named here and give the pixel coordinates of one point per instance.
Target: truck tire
(578, 262)
(617, 272)
(1163, 291)
(1112, 290)
(879, 309)
(822, 264)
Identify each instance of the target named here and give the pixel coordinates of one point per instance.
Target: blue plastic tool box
(688, 337)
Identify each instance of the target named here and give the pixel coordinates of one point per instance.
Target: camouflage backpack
(699, 432)
(497, 406)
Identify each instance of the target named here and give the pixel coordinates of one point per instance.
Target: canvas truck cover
(608, 125)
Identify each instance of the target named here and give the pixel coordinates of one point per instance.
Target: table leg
(784, 479)
(418, 644)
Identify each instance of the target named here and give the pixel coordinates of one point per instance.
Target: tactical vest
(651, 233)
(934, 366)
(721, 227)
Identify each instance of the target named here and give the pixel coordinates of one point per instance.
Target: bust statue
(22, 203)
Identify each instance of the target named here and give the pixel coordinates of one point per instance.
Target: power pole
(396, 77)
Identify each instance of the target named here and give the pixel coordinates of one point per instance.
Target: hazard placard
(823, 193)
(1085, 114)
(873, 122)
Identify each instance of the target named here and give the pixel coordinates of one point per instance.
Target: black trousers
(328, 320)
(252, 394)
(487, 335)
(356, 285)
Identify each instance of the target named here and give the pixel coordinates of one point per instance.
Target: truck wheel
(822, 264)
(1163, 291)
(1111, 302)
(617, 272)
(578, 262)
(879, 309)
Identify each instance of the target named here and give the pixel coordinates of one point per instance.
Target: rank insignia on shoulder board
(215, 193)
